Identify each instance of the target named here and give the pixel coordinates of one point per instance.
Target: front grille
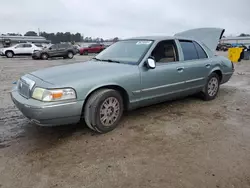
(23, 89)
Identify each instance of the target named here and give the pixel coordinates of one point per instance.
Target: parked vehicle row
(37, 51)
(225, 46)
(131, 73)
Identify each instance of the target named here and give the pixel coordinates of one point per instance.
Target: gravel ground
(184, 143)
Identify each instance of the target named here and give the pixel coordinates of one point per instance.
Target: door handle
(208, 65)
(180, 69)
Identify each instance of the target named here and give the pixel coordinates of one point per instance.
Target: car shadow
(46, 137)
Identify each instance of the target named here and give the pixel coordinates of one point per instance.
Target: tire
(44, 56)
(85, 53)
(211, 88)
(92, 110)
(70, 55)
(9, 54)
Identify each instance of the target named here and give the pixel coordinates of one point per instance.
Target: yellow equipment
(234, 54)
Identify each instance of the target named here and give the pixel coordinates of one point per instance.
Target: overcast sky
(123, 18)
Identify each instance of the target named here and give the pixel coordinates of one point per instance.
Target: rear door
(28, 49)
(96, 48)
(62, 48)
(196, 64)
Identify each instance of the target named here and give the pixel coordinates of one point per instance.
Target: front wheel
(103, 110)
(9, 54)
(44, 56)
(211, 89)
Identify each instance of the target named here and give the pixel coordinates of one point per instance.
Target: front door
(91, 48)
(53, 50)
(19, 49)
(167, 79)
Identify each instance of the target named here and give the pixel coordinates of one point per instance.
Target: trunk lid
(209, 36)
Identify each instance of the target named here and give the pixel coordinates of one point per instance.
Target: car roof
(158, 38)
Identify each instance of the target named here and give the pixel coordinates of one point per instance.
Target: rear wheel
(9, 54)
(211, 89)
(70, 55)
(103, 110)
(44, 56)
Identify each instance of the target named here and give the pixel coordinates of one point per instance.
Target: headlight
(48, 95)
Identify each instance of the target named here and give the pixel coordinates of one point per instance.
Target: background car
(93, 48)
(55, 50)
(77, 47)
(21, 49)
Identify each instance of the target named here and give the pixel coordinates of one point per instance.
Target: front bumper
(48, 114)
(36, 56)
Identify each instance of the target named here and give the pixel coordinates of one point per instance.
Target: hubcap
(213, 85)
(109, 111)
(70, 55)
(9, 54)
(44, 56)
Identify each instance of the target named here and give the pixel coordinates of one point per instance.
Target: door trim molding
(168, 93)
(167, 85)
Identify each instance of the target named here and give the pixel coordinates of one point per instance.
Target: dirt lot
(185, 143)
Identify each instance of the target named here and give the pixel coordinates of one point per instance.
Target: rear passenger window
(201, 53)
(189, 50)
(27, 45)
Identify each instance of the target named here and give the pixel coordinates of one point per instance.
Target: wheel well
(219, 73)
(8, 51)
(121, 90)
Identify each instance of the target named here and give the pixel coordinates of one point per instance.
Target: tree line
(63, 37)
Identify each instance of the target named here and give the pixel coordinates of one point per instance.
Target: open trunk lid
(209, 36)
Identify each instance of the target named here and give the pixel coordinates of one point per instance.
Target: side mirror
(151, 63)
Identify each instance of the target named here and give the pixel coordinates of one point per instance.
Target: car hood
(91, 70)
(7, 48)
(43, 50)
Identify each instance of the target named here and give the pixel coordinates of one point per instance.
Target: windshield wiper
(110, 60)
(97, 59)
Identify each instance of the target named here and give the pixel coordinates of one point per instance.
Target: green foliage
(62, 37)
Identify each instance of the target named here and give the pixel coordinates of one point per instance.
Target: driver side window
(165, 52)
(53, 47)
(20, 46)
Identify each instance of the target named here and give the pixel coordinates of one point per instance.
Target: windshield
(127, 51)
